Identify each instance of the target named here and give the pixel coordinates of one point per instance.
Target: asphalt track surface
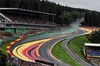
(44, 50)
(73, 54)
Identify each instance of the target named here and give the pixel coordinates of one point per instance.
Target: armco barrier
(9, 39)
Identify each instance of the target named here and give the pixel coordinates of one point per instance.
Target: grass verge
(59, 53)
(77, 44)
(3, 49)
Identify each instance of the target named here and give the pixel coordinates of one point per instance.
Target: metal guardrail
(25, 27)
(30, 24)
(8, 39)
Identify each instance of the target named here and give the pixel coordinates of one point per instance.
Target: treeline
(92, 18)
(64, 14)
(94, 37)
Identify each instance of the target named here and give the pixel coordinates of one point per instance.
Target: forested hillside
(64, 14)
(92, 18)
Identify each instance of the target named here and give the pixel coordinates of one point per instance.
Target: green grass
(8, 64)
(3, 48)
(77, 44)
(60, 54)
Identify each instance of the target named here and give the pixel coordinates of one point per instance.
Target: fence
(8, 39)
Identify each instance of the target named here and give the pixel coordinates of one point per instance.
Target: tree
(75, 15)
(92, 18)
(45, 6)
(2, 3)
(36, 5)
(94, 37)
(66, 17)
(88, 18)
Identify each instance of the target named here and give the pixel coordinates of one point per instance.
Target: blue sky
(86, 4)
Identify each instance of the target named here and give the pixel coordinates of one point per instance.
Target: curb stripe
(55, 44)
(8, 47)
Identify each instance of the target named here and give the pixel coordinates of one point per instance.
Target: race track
(39, 47)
